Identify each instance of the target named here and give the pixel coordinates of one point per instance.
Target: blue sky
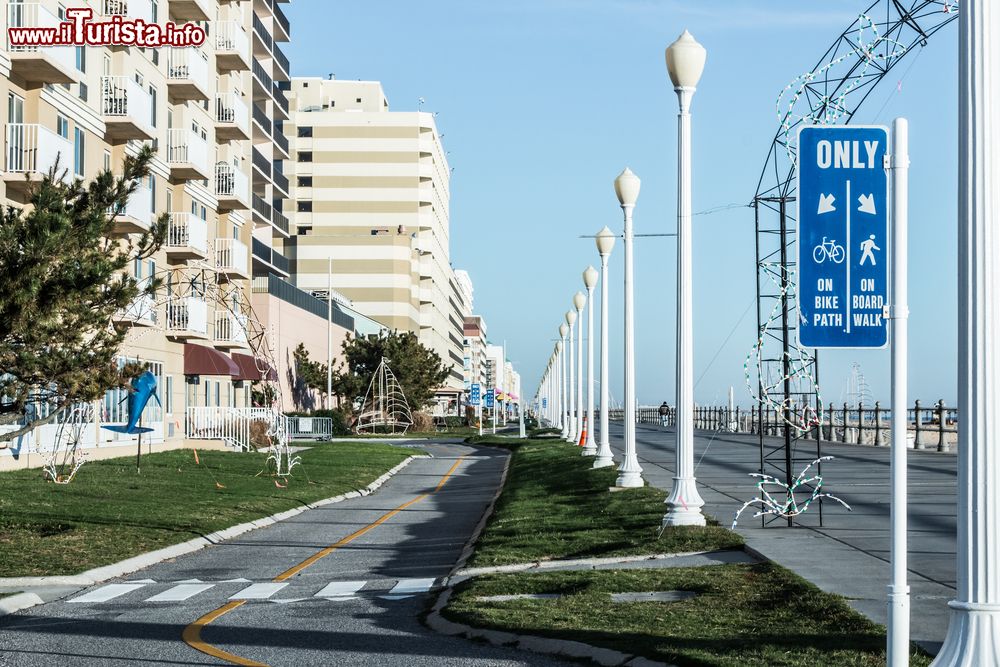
(543, 102)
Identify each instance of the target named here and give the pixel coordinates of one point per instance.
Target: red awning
(249, 368)
(201, 360)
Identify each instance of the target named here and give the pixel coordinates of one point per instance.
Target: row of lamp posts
(563, 380)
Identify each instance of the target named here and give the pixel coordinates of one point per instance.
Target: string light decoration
(385, 404)
(66, 457)
(788, 507)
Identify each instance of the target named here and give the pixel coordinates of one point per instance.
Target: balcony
(187, 155)
(33, 150)
(232, 259)
(187, 237)
(141, 312)
(187, 317)
(191, 10)
(283, 71)
(261, 210)
(281, 142)
(137, 217)
(230, 330)
(262, 125)
(263, 36)
(261, 163)
(130, 9)
(39, 64)
(282, 31)
(127, 109)
(269, 260)
(232, 46)
(187, 74)
(280, 223)
(280, 100)
(232, 187)
(263, 81)
(232, 118)
(280, 180)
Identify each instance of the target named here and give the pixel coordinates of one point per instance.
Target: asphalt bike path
(343, 584)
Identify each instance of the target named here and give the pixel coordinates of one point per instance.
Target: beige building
(369, 193)
(214, 113)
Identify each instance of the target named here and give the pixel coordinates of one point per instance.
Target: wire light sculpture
(67, 457)
(385, 408)
(787, 507)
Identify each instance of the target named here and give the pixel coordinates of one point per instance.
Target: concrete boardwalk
(849, 554)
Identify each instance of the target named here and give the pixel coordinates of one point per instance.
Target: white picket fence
(232, 425)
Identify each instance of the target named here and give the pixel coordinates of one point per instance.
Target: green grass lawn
(743, 616)
(555, 506)
(109, 512)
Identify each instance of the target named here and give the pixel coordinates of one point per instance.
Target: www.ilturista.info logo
(79, 30)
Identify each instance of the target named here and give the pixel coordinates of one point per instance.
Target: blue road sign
(843, 238)
(545, 403)
(489, 398)
(474, 394)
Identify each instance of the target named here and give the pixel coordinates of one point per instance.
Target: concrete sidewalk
(849, 554)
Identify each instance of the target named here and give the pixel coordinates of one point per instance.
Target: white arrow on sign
(826, 204)
(867, 204)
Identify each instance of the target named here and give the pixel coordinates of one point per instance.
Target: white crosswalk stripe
(405, 588)
(180, 592)
(341, 589)
(258, 591)
(109, 592)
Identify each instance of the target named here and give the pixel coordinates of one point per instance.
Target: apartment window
(153, 105)
(359, 100)
(81, 58)
(305, 207)
(62, 127)
(107, 160)
(305, 156)
(305, 181)
(79, 147)
(305, 132)
(84, 92)
(168, 394)
(152, 194)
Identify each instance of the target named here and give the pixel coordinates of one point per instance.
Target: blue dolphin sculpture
(141, 389)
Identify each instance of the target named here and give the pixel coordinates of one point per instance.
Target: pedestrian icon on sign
(866, 250)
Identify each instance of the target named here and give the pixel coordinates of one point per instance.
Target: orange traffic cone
(583, 433)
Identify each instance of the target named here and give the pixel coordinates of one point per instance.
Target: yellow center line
(192, 633)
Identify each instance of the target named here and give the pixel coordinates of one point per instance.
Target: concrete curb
(130, 565)
(15, 603)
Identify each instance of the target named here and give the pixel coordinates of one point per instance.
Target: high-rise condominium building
(214, 114)
(370, 197)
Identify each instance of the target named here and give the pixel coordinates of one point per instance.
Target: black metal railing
(281, 140)
(261, 207)
(262, 119)
(265, 36)
(279, 97)
(279, 220)
(288, 293)
(261, 75)
(282, 19)
(271, 256)
(281, 59)
(280, 180)
(261, 162)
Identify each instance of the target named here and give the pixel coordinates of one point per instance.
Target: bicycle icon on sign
(829, 250)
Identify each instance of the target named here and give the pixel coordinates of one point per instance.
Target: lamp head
(579, 301)
(605, 242)
(627, 187)
(571, 318)
(563, 330)
(685, 61)
(590, 277)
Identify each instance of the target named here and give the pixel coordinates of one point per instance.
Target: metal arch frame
(833, 92)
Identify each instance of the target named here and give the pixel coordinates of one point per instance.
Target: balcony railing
(138, 214)
(261, 207)
(187, 315)
(261, 162)
(280, 221)
(261, 118)
(279, 97)
(232, 38)
(261, 74)
(187, 231)
(281, 140)
(230, 328)
(131, 9)
(262, 32)
(187, 147)
(34, 149)
(34, 15)
(124, 102)
(281, 59)
(282, 20)
(187, 69)
(231, 256)
(270, 256)
(280, 181)
(230, 109)
(231, 183)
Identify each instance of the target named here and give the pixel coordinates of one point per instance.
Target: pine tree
(64, 277)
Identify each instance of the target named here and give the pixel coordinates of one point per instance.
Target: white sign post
(898, 640)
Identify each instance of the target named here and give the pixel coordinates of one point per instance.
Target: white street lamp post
(605, 243)
(685, 62)
(974, 632)
(579, 302)
(630, 473)
(590, 277)
(561, 347)
(571, 399)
